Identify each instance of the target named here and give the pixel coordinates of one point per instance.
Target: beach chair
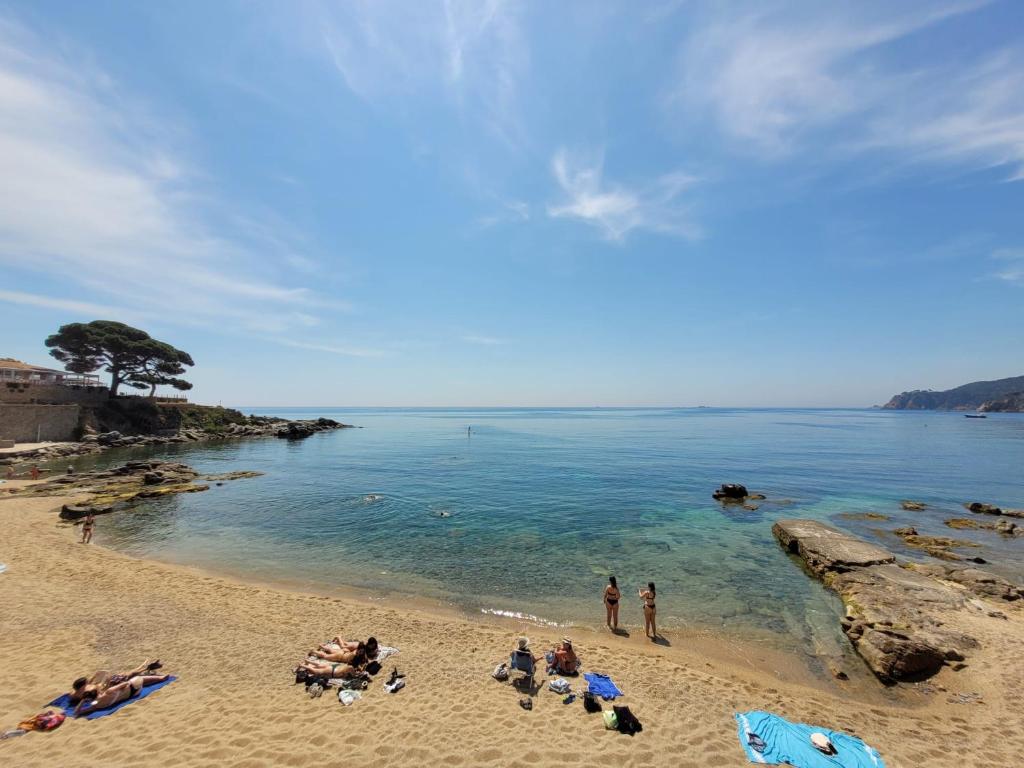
(523, 662)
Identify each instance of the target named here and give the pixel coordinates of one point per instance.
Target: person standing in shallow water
(650, 627)
(611, 603)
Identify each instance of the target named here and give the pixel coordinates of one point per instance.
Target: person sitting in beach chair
(347, 652)
(523, 659)
(565, 661)
(115, 694)
(100, 681)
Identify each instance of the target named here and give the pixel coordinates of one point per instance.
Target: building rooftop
(11, 364)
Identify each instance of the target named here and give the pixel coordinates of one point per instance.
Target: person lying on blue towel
(115, 694)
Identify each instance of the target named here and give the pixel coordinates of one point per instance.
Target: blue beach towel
(601, 685)
(790, 743)
(64, 701)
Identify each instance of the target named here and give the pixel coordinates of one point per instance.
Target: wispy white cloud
(334, 349)
(617, 209)
(66, 305)
(471, 51)
(509, 211)
(1012, 265)
(973, 117)
(812, 76)
(97, 197)
(486, 341)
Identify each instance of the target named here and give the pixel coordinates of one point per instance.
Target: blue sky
(504, 203)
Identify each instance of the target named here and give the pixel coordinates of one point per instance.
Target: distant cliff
(964, 398)
(1011, 403)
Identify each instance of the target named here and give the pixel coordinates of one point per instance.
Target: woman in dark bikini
(611, 603)
(115, 694)
(650, 629)
(87, 528)
(348, 652)
(330, 670)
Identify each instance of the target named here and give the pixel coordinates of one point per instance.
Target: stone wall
(51, 394)
(26, 423)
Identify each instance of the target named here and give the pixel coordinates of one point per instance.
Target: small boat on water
(975, 416)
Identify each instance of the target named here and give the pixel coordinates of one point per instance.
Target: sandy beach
(70, 609)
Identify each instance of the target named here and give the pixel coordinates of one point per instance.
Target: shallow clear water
(533, 510)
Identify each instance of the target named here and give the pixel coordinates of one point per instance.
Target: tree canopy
(131, 356)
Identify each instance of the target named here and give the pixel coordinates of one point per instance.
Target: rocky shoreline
(906, 620)
(253, 426)
(118, 488)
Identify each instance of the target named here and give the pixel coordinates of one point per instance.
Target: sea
(526, 512)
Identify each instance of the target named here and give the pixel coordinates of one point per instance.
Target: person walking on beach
(35, 473)
(650, 628)
(87, 528)
(611, 603)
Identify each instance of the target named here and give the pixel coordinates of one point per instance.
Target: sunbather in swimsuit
(332, 670)
(102, 680)
(347, 651)
(115, 694)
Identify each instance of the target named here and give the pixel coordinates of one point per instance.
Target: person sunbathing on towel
(331, 670)
(115, 694)
(357, 656)
(566, 660)
(102, 680)
(350, 645)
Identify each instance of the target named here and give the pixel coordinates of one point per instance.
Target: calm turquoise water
(540, 505)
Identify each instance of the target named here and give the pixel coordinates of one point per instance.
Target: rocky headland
(997, 395)
(126, 426)
(906, 620)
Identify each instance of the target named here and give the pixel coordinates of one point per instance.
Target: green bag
(611, 720)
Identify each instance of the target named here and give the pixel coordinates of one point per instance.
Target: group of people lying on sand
(105, 689)
(340, 658)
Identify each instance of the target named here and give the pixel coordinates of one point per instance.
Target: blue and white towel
(790, 743)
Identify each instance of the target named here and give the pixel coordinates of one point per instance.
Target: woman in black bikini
(611, 603)
(649, 610)
(115, 694)
(87, 528)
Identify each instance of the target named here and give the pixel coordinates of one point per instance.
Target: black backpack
(590, 702)
(627, 721)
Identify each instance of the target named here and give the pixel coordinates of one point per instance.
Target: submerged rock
(1004, 527)
(913, 506)
(232, 476)
(981, 508)
(864, 516)
(936, 546)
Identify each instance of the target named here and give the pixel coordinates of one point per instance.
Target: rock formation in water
(907, 621)
(968, 397)
(108, 490)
